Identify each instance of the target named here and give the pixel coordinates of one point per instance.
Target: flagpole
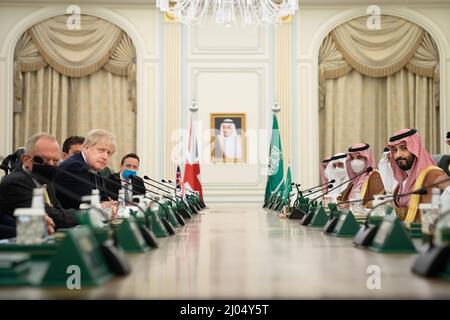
(276, 107)
(191, 174)
(274, 178)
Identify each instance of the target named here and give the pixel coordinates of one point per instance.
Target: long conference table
(246, 252)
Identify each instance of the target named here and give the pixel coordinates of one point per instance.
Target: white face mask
(358, 165)
(327, 173)
(339, 172)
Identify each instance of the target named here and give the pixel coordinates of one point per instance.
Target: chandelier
(251, 12)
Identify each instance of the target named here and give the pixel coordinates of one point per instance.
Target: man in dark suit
(98, 147)
(71, 146)
(16, 189)
(7, 226)
(127, 176)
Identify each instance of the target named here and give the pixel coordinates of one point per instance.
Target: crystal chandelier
(251, 12)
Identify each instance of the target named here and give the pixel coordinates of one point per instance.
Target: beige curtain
(68, 82)
(373, 83)
(65, 106)
(364, 109)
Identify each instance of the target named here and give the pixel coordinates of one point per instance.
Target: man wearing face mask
(365, 185)
(413, 168)
(127, 177)
(323, 176)
(16, 190)
(336, 170)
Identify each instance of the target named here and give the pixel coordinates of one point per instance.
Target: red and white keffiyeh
(323, 166)
(423, 160)
(369, 160)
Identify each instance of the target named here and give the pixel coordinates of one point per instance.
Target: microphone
(369, 169)
(111, 250)
(328, 186)
(298, 189)
(156, 187)
(184, 213)
(320, 185)
(420, 191)
(198, 206)
(433, 258)
(172, 183)
(153, 180)
(181, 213)
(367, 232)
(165, 220)
(436, 184)
(132, 177)
(148, 235)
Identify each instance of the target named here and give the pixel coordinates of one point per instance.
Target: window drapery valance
(75, 53)
(377, 53)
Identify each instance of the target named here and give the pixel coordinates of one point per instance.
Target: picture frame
(228, 141)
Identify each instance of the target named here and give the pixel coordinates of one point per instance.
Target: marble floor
(247, 252)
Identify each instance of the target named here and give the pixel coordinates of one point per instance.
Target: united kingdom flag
(191, 177)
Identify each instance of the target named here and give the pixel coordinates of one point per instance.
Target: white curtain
(68, 82)
(373, 83)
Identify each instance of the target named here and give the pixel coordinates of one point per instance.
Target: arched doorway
(363, 98)
(68, 82)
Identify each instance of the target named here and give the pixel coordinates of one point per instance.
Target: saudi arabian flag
(287, 185)
(275, 170)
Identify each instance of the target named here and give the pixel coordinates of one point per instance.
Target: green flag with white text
(287, 185)
(275, 169)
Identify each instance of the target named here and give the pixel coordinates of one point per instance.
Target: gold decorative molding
(286, 19)
(170, 18)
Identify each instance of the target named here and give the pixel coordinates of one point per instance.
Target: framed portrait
(228, 138)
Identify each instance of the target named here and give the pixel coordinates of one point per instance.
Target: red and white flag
(192, 165)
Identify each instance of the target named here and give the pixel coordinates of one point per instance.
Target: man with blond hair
(98, 147)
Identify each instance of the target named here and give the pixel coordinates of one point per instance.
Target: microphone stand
(192, 208)
(133, 177)
(320, 185)
(197, 199)
(196, 203)
(165, 219)
(156, 181)
(367, 232)
(433, 259)
(369, 169)
(181, 213)
(111, 250)
(148, 235)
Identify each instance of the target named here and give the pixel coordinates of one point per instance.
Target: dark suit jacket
(66, 184)
(7, 226)
(137, 182)
(16, 191)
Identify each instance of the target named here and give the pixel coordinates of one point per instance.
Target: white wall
(226, 70)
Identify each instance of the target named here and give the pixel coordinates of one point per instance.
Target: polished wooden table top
(247, 252)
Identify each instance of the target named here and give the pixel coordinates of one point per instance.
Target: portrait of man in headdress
(228, 140)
